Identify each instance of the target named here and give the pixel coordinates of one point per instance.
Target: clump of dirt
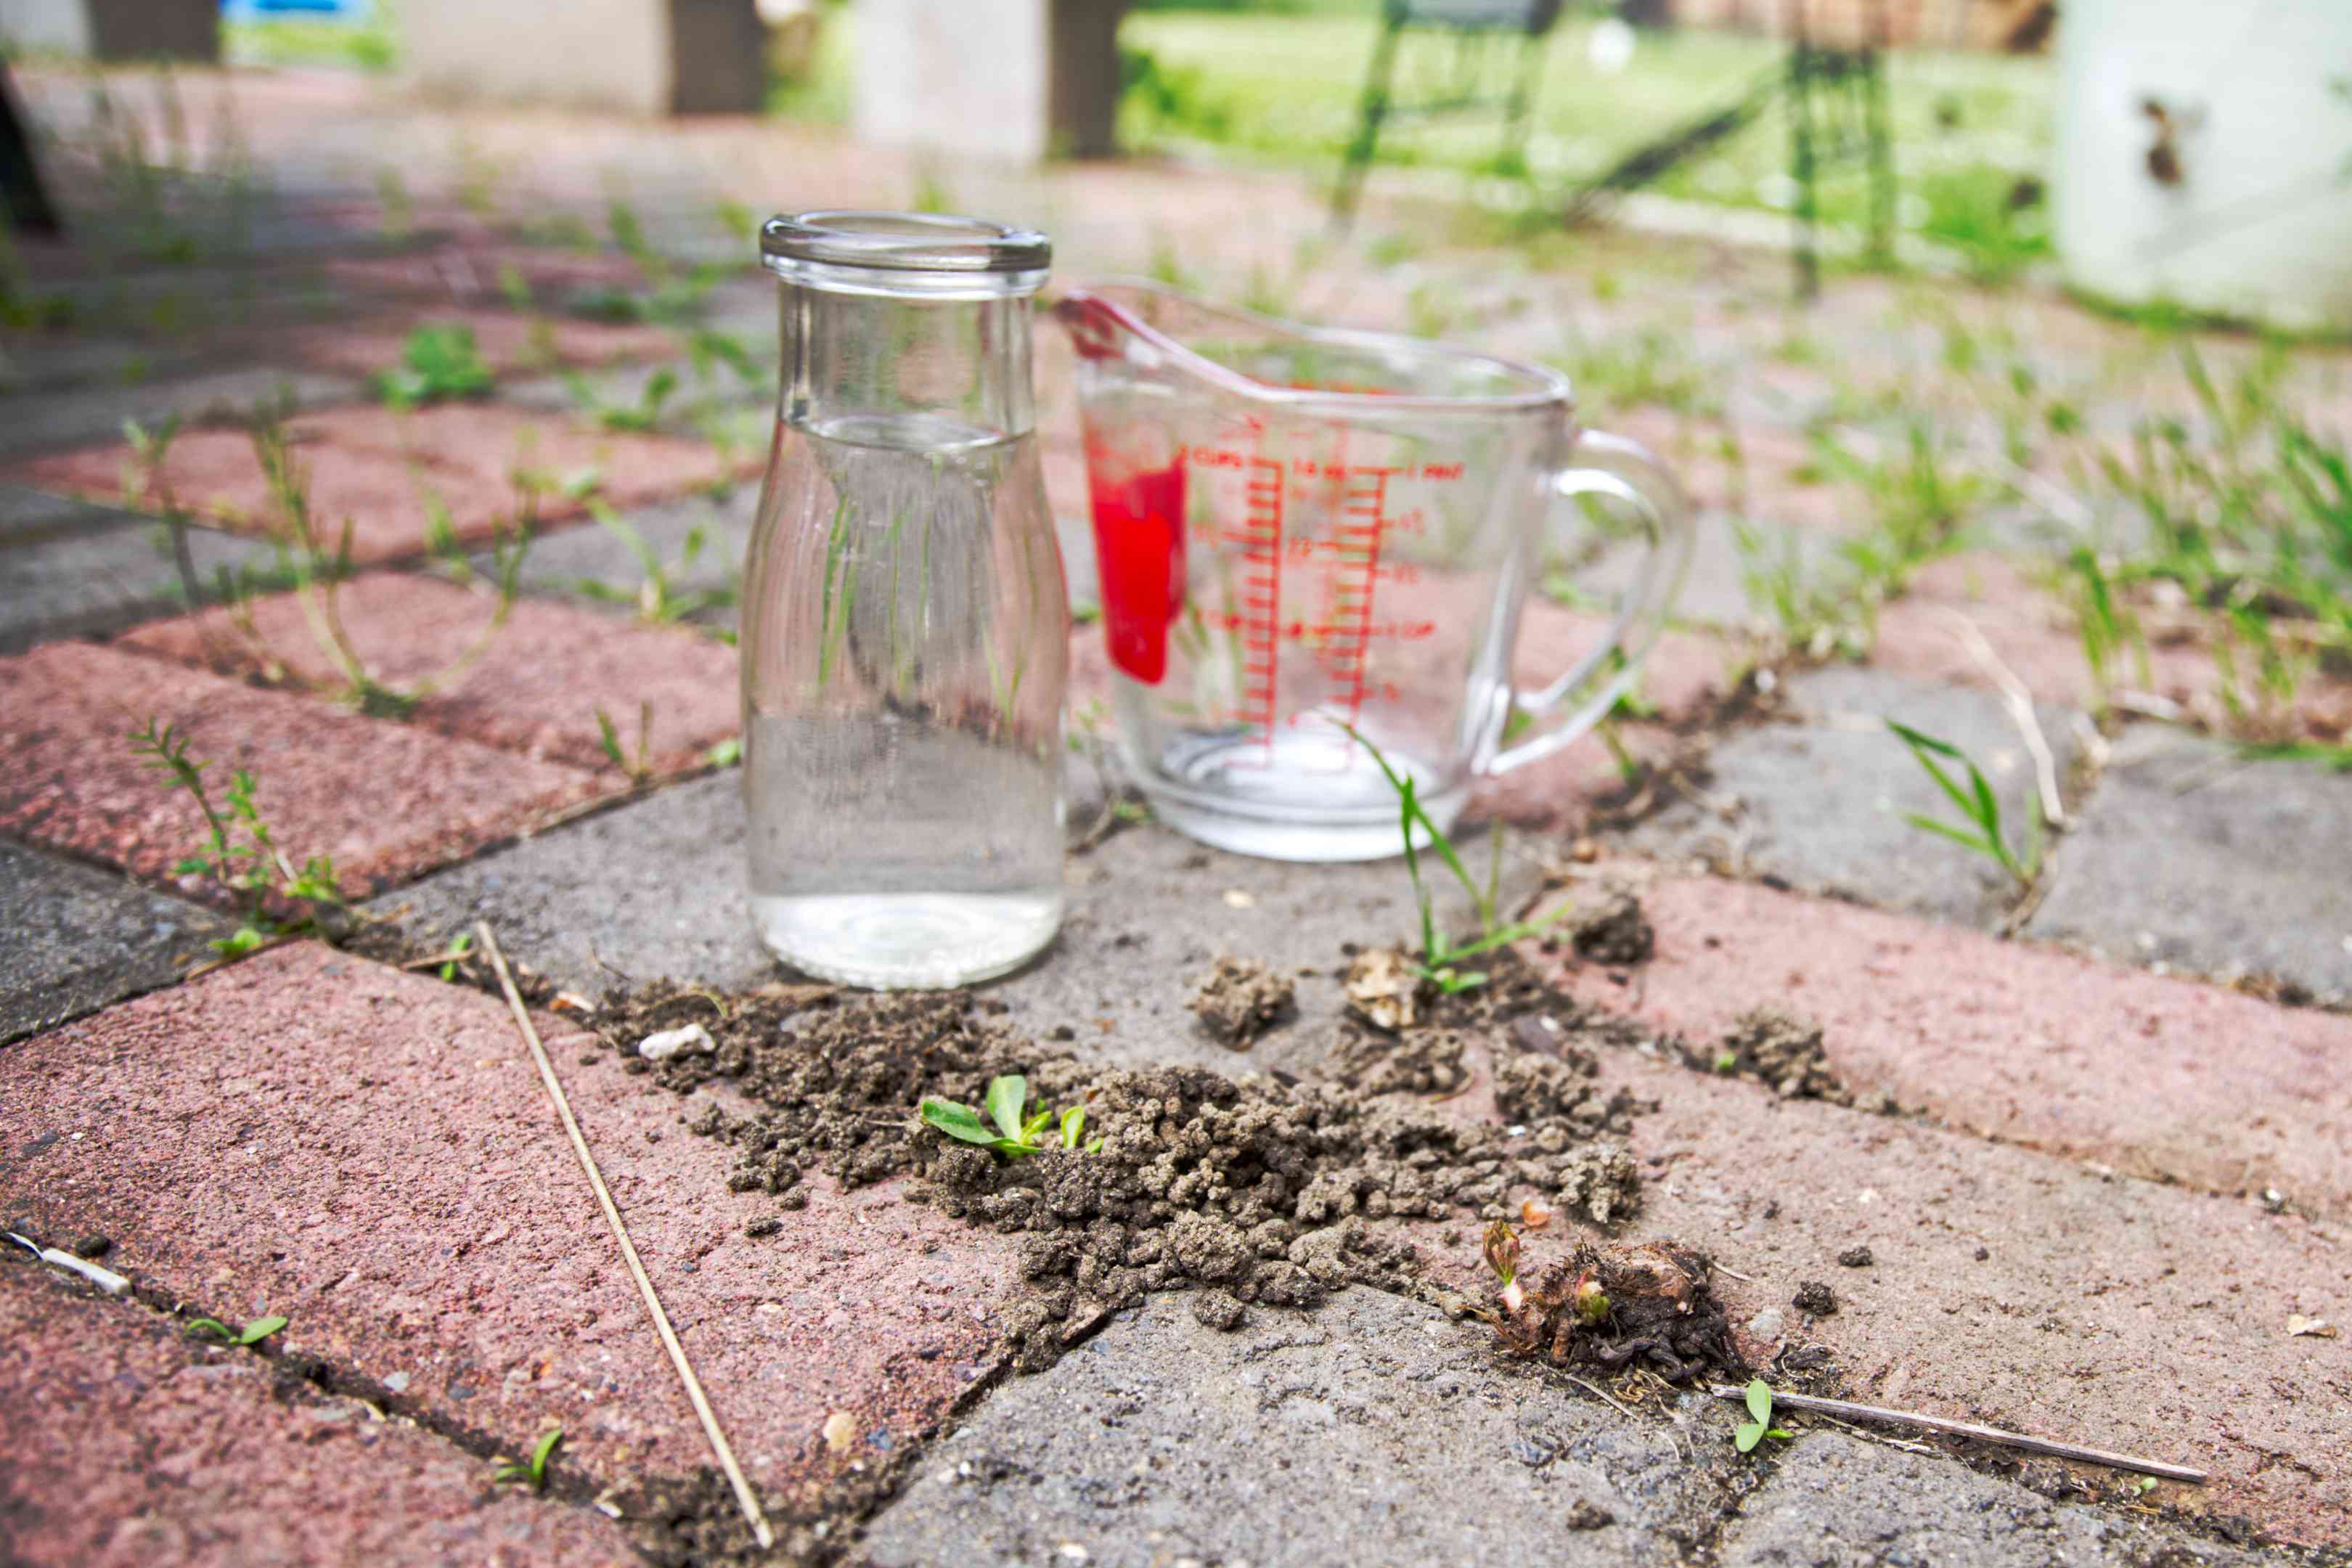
(1769, 1047)
(1422, 1061)
(1260, 1189)
(1240, 999)
(1617, 935)
(1815, 1297)
(1651, 1303)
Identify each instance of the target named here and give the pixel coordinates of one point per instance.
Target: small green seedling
(1015, 1136)
(1440, 955)
(437, 364)
(253, 1333)
(533, 1474)
(1977, 803)
(461, 944)
(1748, 1433)
(608, 739)
(239, 852)
(657, 596)
(725, 753)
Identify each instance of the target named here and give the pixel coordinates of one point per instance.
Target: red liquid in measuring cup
(1139, 550)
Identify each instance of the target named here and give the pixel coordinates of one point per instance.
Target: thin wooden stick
(743, 1494)
(1969, 1429)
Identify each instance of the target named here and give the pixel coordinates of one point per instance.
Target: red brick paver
(536, 690)
(2101, 1311)
(2160, 1077)
(387, 800)
(371, 1155)
(126, 1444)
(377, 468)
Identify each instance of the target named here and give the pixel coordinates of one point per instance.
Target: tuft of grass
(667, 294)
(1979, 807)
(1011, 1130)
(239, 852)
(1439, 953)
(657, 596)
(531, 1472)
(437, 364)
(251, 1334)
(640, 770)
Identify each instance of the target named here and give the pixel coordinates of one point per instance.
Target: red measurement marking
(1261, 547)
(1357, 544)
(1140, 552)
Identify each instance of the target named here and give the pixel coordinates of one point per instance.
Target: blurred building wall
(640, 57)
(115, 29)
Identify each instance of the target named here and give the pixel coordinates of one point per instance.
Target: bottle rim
(810, 245)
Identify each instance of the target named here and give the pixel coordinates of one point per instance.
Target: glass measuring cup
(1308, 536)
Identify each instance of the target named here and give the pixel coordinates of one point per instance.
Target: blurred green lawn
(1286, 88)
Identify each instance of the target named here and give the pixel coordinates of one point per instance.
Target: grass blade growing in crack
(1977, 803)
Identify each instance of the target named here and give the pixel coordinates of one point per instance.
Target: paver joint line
(752, 1513)
(1970, 1430)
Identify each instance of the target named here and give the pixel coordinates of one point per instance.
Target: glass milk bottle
(905, 629)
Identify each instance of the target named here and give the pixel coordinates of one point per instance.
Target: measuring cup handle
(1602, 464)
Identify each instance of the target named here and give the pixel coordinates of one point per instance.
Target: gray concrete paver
(2193, 854)
(80, 938)
(1820, 803)
(1836, 1499)
(1371, 1431)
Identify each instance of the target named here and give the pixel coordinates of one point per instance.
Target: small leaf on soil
(958, 1122)
(259, 1330)
(1748, 1434)
(1760, 1400)
(1006, 1096)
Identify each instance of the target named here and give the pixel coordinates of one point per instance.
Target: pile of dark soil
(1785, 1052)
(1267, 1191)
(1617, 935)
(1650, 1304)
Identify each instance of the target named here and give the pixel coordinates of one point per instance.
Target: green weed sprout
(1977, 803)
(1439, 953)
(437, 364)
(1748, 1433)
(533, 1472)
(608, 738)
(1015, 1135)
(240, 852)
(644, 414)
(658, 597)
(253, 1333)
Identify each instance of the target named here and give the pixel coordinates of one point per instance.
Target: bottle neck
(871, 357)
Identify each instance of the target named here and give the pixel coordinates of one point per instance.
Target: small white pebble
(1237, 900)
(1072, 1551)
(660, 1047)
